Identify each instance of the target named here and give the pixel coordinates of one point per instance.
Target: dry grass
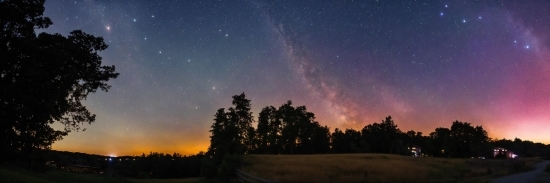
(376, 168)
(543, 177)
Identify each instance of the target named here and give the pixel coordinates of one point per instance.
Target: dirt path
(523, 177)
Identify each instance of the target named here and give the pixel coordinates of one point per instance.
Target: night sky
(424, 63)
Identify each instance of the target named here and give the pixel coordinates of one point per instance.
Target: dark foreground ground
(534, 176)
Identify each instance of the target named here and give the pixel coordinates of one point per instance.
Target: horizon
(425, 64)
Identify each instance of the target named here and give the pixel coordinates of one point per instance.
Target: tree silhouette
(466, 140)
(241, 116)
(266, 134)
(44, 78)
(219, 139)
(289, 135)
(293, 130)
(440, 141)
(232, 132)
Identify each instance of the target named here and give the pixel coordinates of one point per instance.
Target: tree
(44, 78)
(462, 140)
(338, 141)
(382, 137)
(440, 141)
(289, 133)
(232, 132)
(264, 131)
(242, 117)
(218, 142)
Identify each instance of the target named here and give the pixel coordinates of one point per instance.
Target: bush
(142, 175)
(229, 165)
(208, 168)
(547, 168)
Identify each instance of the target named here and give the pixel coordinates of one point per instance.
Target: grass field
(16, 175)
(380, 168)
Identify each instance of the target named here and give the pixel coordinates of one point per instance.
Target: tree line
(153, 165)
(293, 130)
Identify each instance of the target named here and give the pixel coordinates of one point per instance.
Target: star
(463, 20)
(108, 28)
(441, 14)
(226, 35)
(446, 6)
(134, 20)
(526, 46)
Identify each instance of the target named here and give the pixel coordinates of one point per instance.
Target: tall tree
(265, 133)
(242, 117)
(383, 137)
(440, 141)
(218, 139)
(321, 139)
(289, 135)
(44, 77)
(232, 131)
(338, 141)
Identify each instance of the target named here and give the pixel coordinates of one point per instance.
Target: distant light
(527, 46)
(463, 20)
(441, 13)
(134, 20)
(446, 6)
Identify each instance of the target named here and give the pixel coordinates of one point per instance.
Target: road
(526, 177)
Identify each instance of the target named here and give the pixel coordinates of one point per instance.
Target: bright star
(479, 17)
(226, 35)
(108, 28)
(134, 20)
(527, 47)
(446, 6)
(441, 14)
(152, 16)
(463, 20)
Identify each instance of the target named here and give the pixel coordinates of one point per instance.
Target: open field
(14, 175)
(379, 168)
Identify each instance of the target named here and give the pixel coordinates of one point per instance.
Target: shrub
(229, 165)
(208, 168)
(142, 175)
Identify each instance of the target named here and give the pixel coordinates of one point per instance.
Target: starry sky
(351, 63)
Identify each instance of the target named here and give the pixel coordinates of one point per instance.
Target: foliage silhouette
(293, 130)
(43, 79)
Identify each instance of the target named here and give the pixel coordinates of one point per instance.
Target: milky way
(351, 63)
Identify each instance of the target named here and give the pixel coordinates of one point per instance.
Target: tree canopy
(44, 78)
